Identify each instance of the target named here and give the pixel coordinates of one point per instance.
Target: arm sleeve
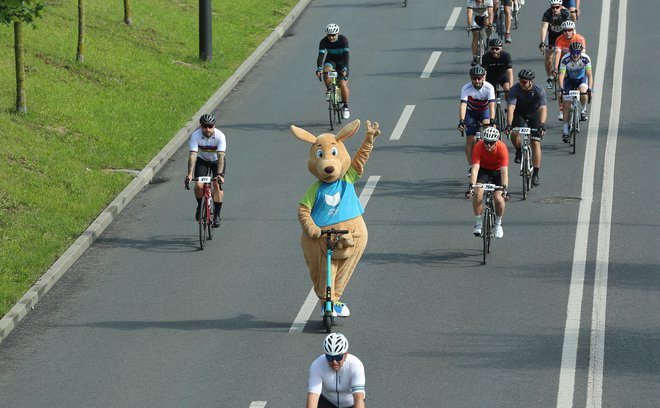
(346, 53)
(321, 55)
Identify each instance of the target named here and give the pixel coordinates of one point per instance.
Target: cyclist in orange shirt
(561, 48)
(490, 164)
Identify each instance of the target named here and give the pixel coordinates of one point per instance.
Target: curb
(96, 228)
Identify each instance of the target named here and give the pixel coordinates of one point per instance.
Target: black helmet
(207, 119)
(526, 74)
(495, 42)
(576, 47)
(477, 71)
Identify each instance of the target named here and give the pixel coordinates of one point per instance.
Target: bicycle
(206, 210)
(526, 162)
(500, 117)
(332, 237)
(481, 41)
(555, 84)
(574, 118)
(500, 26)
(488, 222)
(515, 12)
(334, 100)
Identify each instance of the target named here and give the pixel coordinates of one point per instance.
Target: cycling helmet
(331, 28)
(335, 344)
(207, 119)
(556, 3)
(490, 134)
(477, 71)
(495, 42)
(575, 47)
(526, 74)
(567, 25)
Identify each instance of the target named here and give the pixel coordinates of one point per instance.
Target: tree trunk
(127, 12)
(80, 55)
(21, 103)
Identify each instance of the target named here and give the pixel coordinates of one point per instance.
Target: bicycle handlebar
(333, 231)
(488, 186)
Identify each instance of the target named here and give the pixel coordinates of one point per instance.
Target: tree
(80, 53)
(17, 13)
(127, 12)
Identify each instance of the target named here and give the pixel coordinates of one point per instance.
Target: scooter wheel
(327, 323)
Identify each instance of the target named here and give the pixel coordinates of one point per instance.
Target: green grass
(137, 86)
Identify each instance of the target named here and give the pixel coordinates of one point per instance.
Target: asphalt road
(145, 319)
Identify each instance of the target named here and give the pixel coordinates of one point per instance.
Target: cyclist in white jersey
(207, 154)
(336, 378)
(575, 73)
(479, 14)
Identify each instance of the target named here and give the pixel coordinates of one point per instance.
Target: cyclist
(498, 65)
(481, 12)
(574, 7)
(551, 28)
(336, 378)
(507, 17)
(561, 48)
(477, 106)
(490, 164)
(207, 153)
(528, 105)
(575, 73)
(334, 56)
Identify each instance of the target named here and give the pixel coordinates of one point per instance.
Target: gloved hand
(470, 191)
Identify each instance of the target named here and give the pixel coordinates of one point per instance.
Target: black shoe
(535, 180)
(216, 222)
(518, 156)
(565, 138)
(475, 61)
(197, 215)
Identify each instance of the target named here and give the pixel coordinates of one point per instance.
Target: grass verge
(137, 86)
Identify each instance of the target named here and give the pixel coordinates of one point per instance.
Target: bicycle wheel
(499, 118)
(331, 110)
(481, 49)
(515, 10)
(501, 25)
(202, 224)
(575, 125)
(485, 232)
(338, 105)
(524, 174)
(209, 221)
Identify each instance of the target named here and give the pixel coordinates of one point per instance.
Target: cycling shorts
(338, 69)
(203, 167)
(528, 120)
(489, 176)
(552, 39)
(569, 3)
(324, 403)
(503, 79)
(481, 21)
(473, 119)
(573, 84)
(507, 3)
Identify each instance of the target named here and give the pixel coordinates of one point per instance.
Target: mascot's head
(328, 158)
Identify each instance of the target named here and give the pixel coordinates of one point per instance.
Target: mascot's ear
(348, 130)
(303, 135)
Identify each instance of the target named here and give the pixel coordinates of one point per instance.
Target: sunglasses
(337, 358)
(556, 7)
(487, 143)
(495, 48)
(332, 35)
(524, 81)
(568, 30)
(208, 126)
(477, 78)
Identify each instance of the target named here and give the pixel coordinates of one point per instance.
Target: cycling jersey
(528, 101)
(477, 99)
(480, 10)
(496, 68)
(493, 160)
(331, 203)
(336, 52)
(562, 43)
(554, 21)
(337, 386)
(575, 69)
(207, 148)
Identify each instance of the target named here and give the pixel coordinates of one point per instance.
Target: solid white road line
(403, 121)
(430, 65)
(257, 404)
(598, 314)
(453, 18)
(574, 308)
(310, 303)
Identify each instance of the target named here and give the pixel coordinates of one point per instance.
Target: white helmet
(556, 2)
(332, 28)
(490, 134)
(335, 344)
(567, 25)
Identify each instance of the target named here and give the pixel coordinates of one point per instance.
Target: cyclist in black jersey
(551, 22)
(334, 55)
(499, 68)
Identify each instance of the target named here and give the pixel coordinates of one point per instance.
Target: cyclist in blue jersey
(334, 56)
(477, 106)
(575, 73)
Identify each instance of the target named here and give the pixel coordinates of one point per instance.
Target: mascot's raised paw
(372, 131)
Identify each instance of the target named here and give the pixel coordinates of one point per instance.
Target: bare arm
(192, 159)
(358, 400)
(312, 400)
(504, 173)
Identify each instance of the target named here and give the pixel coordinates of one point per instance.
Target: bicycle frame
(332, 237)
(482, 40)
(206, 210)
(488, 215)
(334, 104)
(501, 22)
(574, 118)
(526, 162)
(500, 119)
